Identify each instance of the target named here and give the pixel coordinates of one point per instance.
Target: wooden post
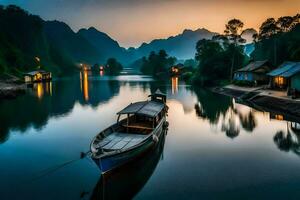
(118, 119)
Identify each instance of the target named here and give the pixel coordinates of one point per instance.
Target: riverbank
(11, 87)
(262, 99)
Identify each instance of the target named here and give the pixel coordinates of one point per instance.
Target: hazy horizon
(133, 22)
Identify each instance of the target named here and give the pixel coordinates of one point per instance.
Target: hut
(176, 69)
(37, 76)
(286, 76)
(254, 72)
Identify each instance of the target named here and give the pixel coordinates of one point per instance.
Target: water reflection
(42, 88)
(211, 132)
(222, 110)
(127, 181)
(289, 139)
(174, 83)
(41, 103)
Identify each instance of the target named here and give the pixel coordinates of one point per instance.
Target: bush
(186, 76)
(244, 83)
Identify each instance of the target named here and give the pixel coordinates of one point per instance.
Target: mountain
(248, 35)
(21, 40)
(26, 37)
(60, 49)
(105, 45)
(182, 46)
(249, 48)
(72, 44)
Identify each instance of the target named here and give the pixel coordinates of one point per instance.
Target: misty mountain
(248, 35)
(182, 46)
(60, 49)
(249, 48)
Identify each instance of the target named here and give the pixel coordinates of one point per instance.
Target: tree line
(276, 41)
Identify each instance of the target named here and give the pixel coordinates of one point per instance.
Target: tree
(157, 63)
(232, 39)
(278, 40)
(219, 57)
(285, 24)
(113, 67)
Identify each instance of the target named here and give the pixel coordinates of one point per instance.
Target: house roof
(287, 69)
(252, 66)
(32, 73)
(149, 108)
(157, 93)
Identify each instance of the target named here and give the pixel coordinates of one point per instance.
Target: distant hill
(181, 46)
(249, 48)
(248, 35)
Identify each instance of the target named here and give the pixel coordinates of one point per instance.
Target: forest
(277, 40)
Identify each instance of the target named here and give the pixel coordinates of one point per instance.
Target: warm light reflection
(85, 84)
(80, 77)
(174, 81)
(50, 86)
(279, 117)
(39, 90)
(101, 73)
(43, 88)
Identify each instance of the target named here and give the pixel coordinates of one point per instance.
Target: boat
(126, 181)
(138, 128)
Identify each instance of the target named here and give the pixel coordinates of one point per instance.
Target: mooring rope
(53, 169)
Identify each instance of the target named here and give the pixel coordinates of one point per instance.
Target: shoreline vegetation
(11, 87)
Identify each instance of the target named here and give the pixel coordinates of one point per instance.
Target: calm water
(215, 148)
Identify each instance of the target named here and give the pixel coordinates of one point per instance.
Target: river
(215, 148)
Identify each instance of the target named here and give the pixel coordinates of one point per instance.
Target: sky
(132, 22)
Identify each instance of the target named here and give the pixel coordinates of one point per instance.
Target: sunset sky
(132, 22)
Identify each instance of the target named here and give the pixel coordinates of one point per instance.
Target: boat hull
(111, 162)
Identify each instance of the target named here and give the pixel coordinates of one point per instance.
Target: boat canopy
(148, 108)
(158, 94)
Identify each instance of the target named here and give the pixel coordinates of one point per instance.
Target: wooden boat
(137, 132)
(127, 181)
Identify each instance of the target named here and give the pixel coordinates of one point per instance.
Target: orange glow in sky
(132, 22)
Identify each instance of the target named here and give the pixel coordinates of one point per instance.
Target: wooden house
(286, 76)
(37, 76)
(176, 69)
(255, 71)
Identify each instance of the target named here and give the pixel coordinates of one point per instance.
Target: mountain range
(181, 46)
(60, 49)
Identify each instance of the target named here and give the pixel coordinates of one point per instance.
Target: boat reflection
(127, 181)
